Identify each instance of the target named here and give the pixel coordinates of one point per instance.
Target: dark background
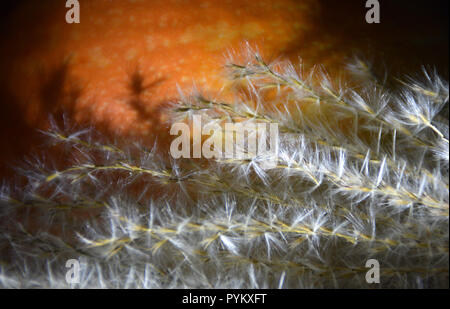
(411, 33)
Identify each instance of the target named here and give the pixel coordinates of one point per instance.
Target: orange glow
(126, 58)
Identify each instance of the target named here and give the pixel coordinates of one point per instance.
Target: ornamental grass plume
(362, 173)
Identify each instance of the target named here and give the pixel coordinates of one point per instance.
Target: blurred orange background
(126, 59)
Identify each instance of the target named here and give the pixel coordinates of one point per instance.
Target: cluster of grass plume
(362, 173)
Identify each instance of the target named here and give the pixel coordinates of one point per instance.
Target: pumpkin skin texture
(127, 59)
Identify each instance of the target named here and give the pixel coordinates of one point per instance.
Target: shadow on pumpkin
(57, 98)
